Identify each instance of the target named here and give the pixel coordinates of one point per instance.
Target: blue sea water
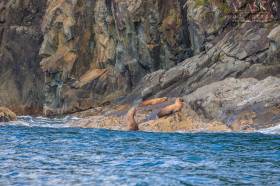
(46, 152)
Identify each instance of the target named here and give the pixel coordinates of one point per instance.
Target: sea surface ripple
(41, 151)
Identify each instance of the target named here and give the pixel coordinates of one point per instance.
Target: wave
(29, 121)
(40, 121)
(271, 130)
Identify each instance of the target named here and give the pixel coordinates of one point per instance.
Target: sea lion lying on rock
(170, 109)
(7, 115)
(153, 101)
(131, 123)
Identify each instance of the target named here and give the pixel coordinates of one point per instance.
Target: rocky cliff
(61, 56)
(97, 51)
(21, 79)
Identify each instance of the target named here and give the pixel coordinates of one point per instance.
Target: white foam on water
(16, 123)
(29, 121)
(271, 130)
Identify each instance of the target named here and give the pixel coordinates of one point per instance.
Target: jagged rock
(127, 39)
(241, 53)
(242, 104)
(7, 115)
(228, 105)
(205, 18)
(75, 55)
(21, 80)
(208, 19)
(274, 38)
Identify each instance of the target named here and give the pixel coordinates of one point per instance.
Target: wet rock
(7, 115)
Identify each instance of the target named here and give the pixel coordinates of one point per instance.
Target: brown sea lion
(131, 123)
(153, 101)
(170, 109)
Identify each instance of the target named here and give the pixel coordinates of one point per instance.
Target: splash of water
(271, 130)
(29, 121)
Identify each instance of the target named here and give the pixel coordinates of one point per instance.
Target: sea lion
(153, 101)
(170, 109)
(131, 123)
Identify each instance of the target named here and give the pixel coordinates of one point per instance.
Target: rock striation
(97, 51)
(241, 104)
(230, 105)
(21, 79)
(62, 57)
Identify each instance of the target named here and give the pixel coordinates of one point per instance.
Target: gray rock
(239, 102)
(274, 49)
(21, 79)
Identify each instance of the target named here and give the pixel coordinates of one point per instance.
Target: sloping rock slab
(242, 104)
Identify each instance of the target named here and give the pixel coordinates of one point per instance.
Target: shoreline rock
(224, 106)
(6, 115)
(62, 57)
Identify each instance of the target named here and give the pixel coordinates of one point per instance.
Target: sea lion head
(165, 98)
(180, 100)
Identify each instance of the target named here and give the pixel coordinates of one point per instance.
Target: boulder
(274, 36)
(274, 48)
(7, 115)
(242, 104)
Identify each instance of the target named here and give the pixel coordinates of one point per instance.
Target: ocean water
(40, 151)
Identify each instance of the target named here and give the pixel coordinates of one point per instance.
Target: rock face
(61, 56)
(244, 52)
(242, 104)
(274, 50)
(7, 115)
(21, 80)
(94, 58)
(97, 51)
(209, 18)
(229, 105)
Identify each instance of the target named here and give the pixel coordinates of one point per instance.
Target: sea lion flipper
(131, 123)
